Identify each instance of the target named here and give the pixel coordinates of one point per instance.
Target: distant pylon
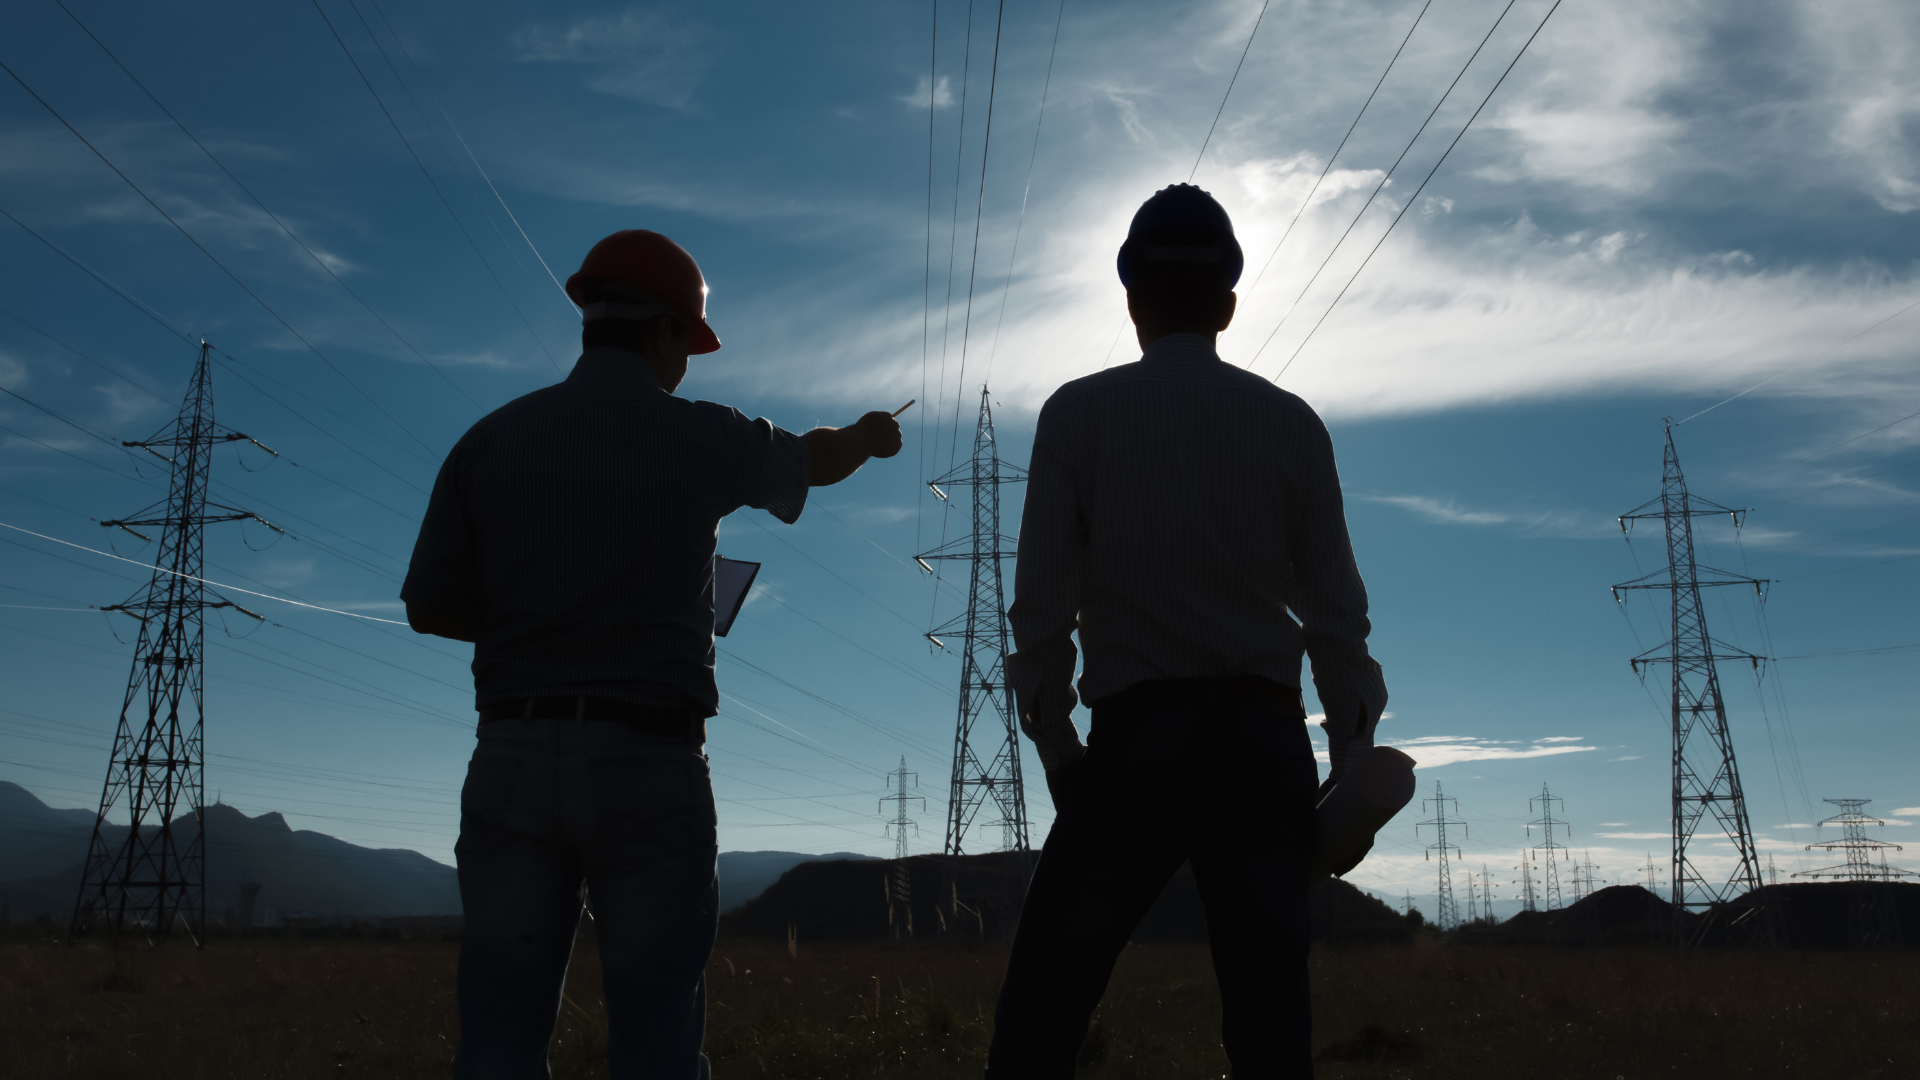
(1654, 881)
(1486, 892)
(1546, 823)
(1705, 777)
(1448, 917)
(1528, 901)
(897, 828)
(1872, 914)
(986, 741)
(1584, 881)
(156, 875)
(1773, 872)
(1473, 906)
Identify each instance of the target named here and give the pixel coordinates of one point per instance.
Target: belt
(686, 722)
(1143, 700)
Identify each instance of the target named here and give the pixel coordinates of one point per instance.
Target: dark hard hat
(639, 261)
(1181, 224)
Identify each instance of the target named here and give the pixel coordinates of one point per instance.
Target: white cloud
(1636, 835)
(1432, 751)
(1559, 738)
(1626, 757)
(942, 93)
(645, 54)
(1907, 811)
(1558, 523)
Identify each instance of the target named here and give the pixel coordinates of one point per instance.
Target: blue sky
(1663, 206)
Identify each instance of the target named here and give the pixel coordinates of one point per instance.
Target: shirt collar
(613, 365)
(1182, 348)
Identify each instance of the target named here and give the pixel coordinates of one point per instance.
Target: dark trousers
(549, 805)
(1229, 787)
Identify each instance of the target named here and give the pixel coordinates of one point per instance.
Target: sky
(1661, 213)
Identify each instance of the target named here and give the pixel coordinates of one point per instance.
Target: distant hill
(41, 849)
(978, 897)
(1802, 915)
(746, 874)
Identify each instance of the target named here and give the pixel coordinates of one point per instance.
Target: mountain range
(299, 871)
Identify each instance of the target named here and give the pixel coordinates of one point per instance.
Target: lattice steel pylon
(897, 783)
(1546, 822)
(1448, 915)
(156, 876)
(1706, 780)
(1873, 915)
(987, 720)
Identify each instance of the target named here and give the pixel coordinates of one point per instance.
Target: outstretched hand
(882, 433)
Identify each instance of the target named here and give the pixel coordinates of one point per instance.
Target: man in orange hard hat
(570, 537)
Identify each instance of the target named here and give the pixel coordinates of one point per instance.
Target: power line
(1382, 185)
(979, 214)
(318, 261)
(1415, 197)
(1308, 201)
(1835, 446)
(201, 580)
(431, 183)
(264, 306)
(1027, 188)
(1816, 359)
(451, 160)
(455, 128)
(1204, 143)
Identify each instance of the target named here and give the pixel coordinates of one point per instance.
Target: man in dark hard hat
(570, 537)
(1178, 509)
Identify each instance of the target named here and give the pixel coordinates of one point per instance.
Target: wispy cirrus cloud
(1568, 524)
(647, 54)
(1433, 751)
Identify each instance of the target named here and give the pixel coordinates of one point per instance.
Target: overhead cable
(1308, 201)
(1027, 189)
(318, 261)
(1384, 179)
(203, 581)
(434, 185)
(264, 306)
(448, 154)
(455, 128)
(1204, 143)
(1816, 359)
(1415, 197)
(979, 212)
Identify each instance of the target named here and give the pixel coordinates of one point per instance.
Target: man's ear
(1227, 308)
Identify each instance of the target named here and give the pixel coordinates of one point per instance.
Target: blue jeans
(1230, 790)
(549, 805)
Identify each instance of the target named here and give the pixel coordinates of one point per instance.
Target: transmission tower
(1527, 900)
(156, 876)
(1874, 921)
(986, 741)
(1486, 892)
(1773, 872)
(1705, 778)
(1473, 906)
(1652, 873)
(1448, 916)
(1546, 822)
(897, 783)
(1584, 882)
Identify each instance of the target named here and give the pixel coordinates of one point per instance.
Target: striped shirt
(577, 525)
(1178, 509)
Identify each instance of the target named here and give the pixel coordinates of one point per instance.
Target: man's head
(640, 291)
(1180, 264)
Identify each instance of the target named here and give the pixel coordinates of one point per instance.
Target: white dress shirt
(1178, 509)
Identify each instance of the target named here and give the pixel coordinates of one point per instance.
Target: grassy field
(271, 1009)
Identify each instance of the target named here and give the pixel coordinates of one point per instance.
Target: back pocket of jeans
(489, 789)
(649, 811)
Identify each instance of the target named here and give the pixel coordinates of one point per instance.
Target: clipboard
(732, 579)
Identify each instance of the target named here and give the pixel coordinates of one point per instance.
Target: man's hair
(1181, 258)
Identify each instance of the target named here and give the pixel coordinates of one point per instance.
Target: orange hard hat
(647, 262)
